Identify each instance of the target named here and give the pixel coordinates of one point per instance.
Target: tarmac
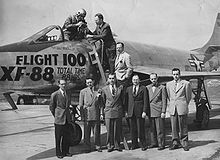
(28, 133)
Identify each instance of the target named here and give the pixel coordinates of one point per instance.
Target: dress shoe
(118, 149)
(152, 146)
(110, 149)
(160, 148)
(144, 148)
(133, 147)
(98, 150)
(172, 147)
(60, 157)
(186, 148)
(68, 155)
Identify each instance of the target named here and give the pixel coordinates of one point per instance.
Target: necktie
(175, 86)
(113, 90)
(135, 90)
(91, 90)
(64, 95)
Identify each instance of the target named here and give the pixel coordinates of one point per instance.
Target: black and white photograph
(110, 79)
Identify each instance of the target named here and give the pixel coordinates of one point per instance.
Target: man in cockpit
(75, 26)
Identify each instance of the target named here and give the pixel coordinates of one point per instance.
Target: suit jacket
(104, 32)
(180, 98)
(90, 102)
(137, 104)
(123, 66)
(158, 100)
(113, 106)
(59, 107)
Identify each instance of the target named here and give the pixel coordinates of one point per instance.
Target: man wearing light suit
(113, 110)
(158, 105)
(136, 109)
(59, 107)
(89, 100)
(123, 66)
(179, 95)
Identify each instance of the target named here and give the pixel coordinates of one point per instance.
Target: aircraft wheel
(20, 101)
(75, 133)
(205, 118)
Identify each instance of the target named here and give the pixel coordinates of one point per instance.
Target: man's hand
(144, 115)
(89, 36)
(126, 114)
(101, 117)
(163, 115)
(79, 23)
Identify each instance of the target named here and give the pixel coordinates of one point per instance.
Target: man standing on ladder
(103, 32)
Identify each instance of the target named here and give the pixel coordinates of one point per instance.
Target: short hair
(154, 74)
(112, 73)
(136, 75)
(176, 69)
(90, 78)
(121, 44)
(62, 79)
(99, 15)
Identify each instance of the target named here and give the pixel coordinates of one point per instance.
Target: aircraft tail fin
(213, 44)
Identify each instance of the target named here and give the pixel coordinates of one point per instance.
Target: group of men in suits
(117, 100)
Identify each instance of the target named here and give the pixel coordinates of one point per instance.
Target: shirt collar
(62, 91)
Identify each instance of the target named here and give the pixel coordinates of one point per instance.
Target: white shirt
(110, 86)
(153, 88)
(177, 83)
(63, 92)
(137, 87)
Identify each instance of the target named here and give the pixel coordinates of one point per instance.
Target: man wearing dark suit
(89, 100)
(103, 32)
(158, 105)
(113, 110)
(59, 107)
(179, 95)
(137, 108)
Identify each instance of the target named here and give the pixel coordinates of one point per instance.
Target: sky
(177, 24)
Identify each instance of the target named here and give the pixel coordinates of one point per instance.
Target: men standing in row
(103, 32)
(137, 103)
(113, 110)
(59, 107)
(179, 95)
(89, 100)
(123, 66)
(158, 105)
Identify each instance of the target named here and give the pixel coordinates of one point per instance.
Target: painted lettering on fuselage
(44, 67)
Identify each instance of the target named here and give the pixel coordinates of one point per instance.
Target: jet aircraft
(31, 67)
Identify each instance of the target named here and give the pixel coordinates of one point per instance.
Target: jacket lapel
(150, 90)
(139, 90)
(109, 92)
(117, 95)
(155, 93)
(117, 60)
(173, 86)
(179, 86)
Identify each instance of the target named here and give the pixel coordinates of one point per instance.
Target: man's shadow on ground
(81, 148)
(75, 150)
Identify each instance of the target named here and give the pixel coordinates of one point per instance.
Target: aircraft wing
(43, 89)
(166, 73)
